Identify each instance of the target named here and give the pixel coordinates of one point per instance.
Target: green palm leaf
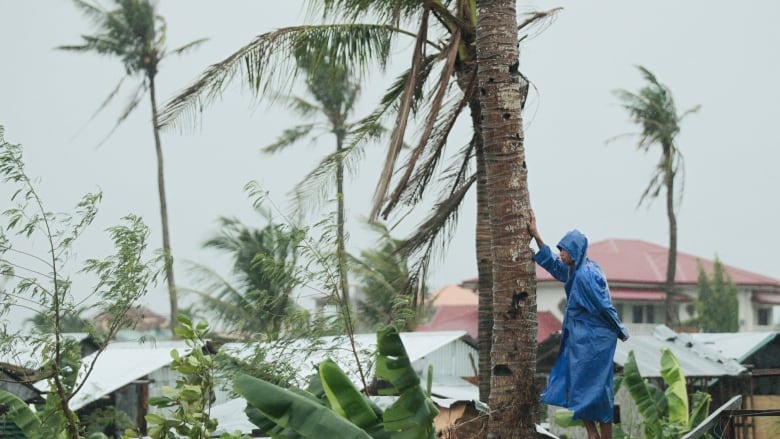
(272, 60)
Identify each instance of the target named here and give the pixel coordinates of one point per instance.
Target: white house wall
(454, 359)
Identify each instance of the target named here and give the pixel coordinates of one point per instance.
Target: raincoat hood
(576, 244)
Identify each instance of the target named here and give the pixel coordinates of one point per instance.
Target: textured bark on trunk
(485, 273)
(513, 397)
(341, 253)
(172, 294)
(672, 317)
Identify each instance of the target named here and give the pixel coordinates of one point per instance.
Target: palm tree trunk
(164, 211)
(672, 317)
(513, 396)
(484, 265)
(341, 253)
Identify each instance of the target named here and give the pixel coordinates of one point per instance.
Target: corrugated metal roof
(696, 359)
(119, 364)
(303, 355)
(735, 345)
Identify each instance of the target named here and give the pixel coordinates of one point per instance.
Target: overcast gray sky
(716, 54)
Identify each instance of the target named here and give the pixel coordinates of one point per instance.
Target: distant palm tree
(383, 273)
(134, 33)
(335, 93)
(70, 321)
(653, 109)
(257, 299)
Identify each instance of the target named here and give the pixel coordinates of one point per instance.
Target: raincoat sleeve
(596, 299)
(552, 263)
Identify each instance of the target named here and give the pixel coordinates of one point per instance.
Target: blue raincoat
(582, 377)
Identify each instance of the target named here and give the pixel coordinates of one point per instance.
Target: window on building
(643, 313)
(638, 314)
(619, 309)
(763, 316)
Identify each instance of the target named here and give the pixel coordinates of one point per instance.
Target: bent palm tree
(265, 270)
(653, 109)
(134, 33)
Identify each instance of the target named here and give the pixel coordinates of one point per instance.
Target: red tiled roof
(548, 325)
(635, 261)
(466, 318)
(454, 317)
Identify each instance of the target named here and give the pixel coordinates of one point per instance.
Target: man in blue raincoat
(582, 377)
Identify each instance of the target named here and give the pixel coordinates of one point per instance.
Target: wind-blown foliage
(666, 414)
(134, 33)
(40, 283)
(716, 303)
(265, 269)
(654, 110)
(383, 275)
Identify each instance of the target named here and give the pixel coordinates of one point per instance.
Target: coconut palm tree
(513, 397)
(133, 32)
(653, 109)
(335, 94)
(256, 300)
(442, 38)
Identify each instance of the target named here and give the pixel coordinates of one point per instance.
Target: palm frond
(269, 61)
(432, 235)
(92, 11)
(391, 11)
(131, 105)
(189, 46)
(397, 138)
(441, 87)
(289, 137)
(317, 187)
(537, 21)
(103, 105)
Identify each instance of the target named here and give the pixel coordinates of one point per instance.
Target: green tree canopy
(716, 305)
(265, 272)
(383, 274)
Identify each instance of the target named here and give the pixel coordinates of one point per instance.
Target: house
(124, 376)
(636, 272)
(21, 362)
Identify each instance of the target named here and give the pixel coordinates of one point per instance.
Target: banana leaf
(650, 400)
(700, 410)
(295, 412)
(344, 398)
(676, 392)
(21, 414)
(411, 415)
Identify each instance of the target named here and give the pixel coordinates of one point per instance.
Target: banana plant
(666, 413)
(333, 407)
